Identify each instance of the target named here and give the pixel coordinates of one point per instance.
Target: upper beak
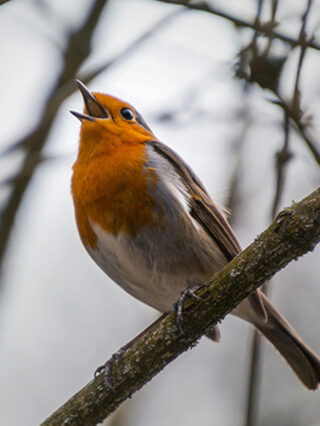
(93, 107)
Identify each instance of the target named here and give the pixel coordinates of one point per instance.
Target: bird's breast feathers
(153, 260)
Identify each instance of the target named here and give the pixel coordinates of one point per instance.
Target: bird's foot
(107, 366)
(188, 292)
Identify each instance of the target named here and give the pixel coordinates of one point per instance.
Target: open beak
(93, 108)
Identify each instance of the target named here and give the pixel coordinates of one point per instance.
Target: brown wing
(203, 209)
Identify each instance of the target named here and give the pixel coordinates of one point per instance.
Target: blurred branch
(77, 50)
(87, 76)
(272, 23)
(302, 38)
(233, 193)
(282, 159)
(302, 127)
(264, 29)
(252, 391)
(265, 70)
(284, 155)
(294, 110)
(294, 232)
(257, 23)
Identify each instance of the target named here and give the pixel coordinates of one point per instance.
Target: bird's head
(108, 121)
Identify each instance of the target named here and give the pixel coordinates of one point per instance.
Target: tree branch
(301, 127)
(264, 29)
(78, 47)
(294, 232)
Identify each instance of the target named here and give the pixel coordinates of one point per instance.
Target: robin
(147, 220)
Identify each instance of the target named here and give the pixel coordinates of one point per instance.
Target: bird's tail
(303, 361)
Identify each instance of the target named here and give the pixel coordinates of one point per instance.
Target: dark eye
(127, 114)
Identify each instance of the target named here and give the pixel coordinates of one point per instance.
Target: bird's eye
(127, 114)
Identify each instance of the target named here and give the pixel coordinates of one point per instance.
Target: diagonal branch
(294, 232)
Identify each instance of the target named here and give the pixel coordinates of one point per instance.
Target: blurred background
(234, 88)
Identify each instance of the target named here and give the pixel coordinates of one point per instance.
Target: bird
(149, 223)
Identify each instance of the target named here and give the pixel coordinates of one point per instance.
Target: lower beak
(81, 116)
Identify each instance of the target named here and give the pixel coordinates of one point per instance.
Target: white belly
(156, 266)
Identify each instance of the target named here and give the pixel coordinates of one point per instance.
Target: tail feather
(303, 361)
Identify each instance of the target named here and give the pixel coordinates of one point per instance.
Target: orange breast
(114, 191)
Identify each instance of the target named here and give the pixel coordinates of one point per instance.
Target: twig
(302, 38)
(255, 363)
(233, 196)
(272, 23)
(300, 127)
(257, 24)
(252, 394)
(282, 159)
(296, 99)
(241, 23)
(295, 231)
(284, 155)
(254, 380)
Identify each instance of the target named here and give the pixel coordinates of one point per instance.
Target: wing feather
(207, 214)
(202, 208)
